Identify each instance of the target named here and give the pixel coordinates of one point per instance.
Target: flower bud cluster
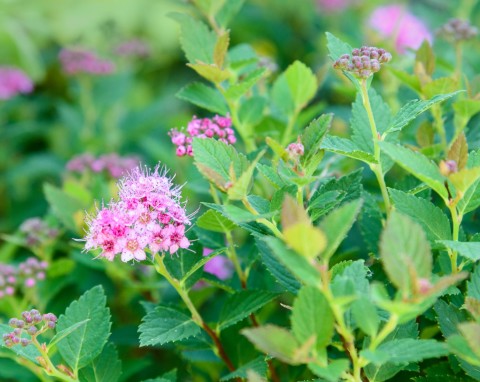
(13, 81)
(113, 164)
(363, 62)
(217, 128)
(32, 323)
(458, 30)
(38, 232)
(25, 275)
(295, 150)
(149, 214)
(75, 61)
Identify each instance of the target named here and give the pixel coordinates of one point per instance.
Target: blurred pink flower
(395, 22)
(76, 61)
(133, 48)
(219, 266)
(334, 5)
(114, 164)
(13, 81)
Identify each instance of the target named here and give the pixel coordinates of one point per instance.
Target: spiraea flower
(295, 150)
(396, 23)
(133, 48)
(148, 215)
(8, 280)
(113, 164)
(456, 30)
(75, 61)
(26, 275)
(218, 127)
(363, 62)
(13, 81)
(38, 232)
(29, 326)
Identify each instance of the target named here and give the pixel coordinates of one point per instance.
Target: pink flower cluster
(133, 48)
(13, 81)
(217, 128)
(37, 232)
(394, 21)
(114, 164)
(27, 274)
(75, 61)
(148, 214)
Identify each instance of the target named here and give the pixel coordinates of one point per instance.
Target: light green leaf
(241, 304)
(337, 47)
(203, 96)
(164, 325)
(412, 109)
(215, 221)
(302, 84)
(105, 368)
(228, 11)
(464, 179)
(251, 110)
(346, 147)
(336, 226)
(312, 317)
(418, 165)
(470, 250)
(240, 187)
(237, 90)
(332, 372)
(366, 316)
(432, 219)
(405, 252)
(305, 239)
(210, 72)
(221, 48)
(473, 286)
(29, 352)
(464, 110)
(275, 341)
(62, 334)
(84, 344)
(458, 151)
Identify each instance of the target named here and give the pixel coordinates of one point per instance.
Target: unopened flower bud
(424, 286)
(448, 167)
(32, 330)
(24, 342)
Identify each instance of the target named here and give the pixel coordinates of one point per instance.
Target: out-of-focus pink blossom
(219, 266)
(133, 48)
(75, 61)
(334, 5)
(217, 128)
(148, 215)
(114, 164)
(396, 23)
(13, 81)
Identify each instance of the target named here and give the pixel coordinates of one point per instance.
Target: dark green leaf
(203, 96)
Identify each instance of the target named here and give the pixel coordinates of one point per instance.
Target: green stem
(440, 126)
(288, 130)
(377, 167)
(232, 255)
(88, 108)
(386, 330)
(456, 222)
(269, 224)
(50, 369)
(196, 317)
(458, 63)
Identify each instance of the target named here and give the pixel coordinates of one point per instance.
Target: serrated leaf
(448, 317)
(461, 348)
(203, 96)
(237, 90)
(464, 179)
(214, 221)
(471, 332)
(349, 279)
(432, 219)
(366, 316)
(405, 252)
(459, 151)
(275, 341)
(241, 305)
(165, 325)
(336, 226)
(346, 147)
(337, 47)
(305, 239)
(302, 84)
(200, 263)
(63, 333)
(464, 110)
(83, 345)
(314, 133)
(251, 110)
(229, 9)
(473, 286)
(324, 203)
(406, 350)
(215, 159)
(412, 109)
(63, 205)
(312, 317)
(240, 187)
(418, 165)
(470, 250)
(258, 365)
(332, 372)
(197, 40)
(105, 368)
(210, 72)
(370, 221)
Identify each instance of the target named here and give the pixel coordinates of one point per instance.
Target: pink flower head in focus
(13, 81)
(218, 127)
(395, 22)
(149, 215)
(75, 61)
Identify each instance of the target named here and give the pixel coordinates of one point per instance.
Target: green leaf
(464, 179)
(337, 224)
(337, 47)
(473, 286)
(241, 305)
(418, 165)
(471, 332)
(296, 263)
(221, 48)
(349, 279)
(370, 222)
(229, 9)
(200, 263)
(210, 72)
(203, 96)
(63, 205)
(464, 110)
(305, 239)
(164, 325)
(448, 317)
(324, 203)
(105, 368)
(412, 109)
(459, 151)
(405, 252)
(366, 316)
(333, 371)
(432, 219)
(84, 344)
(314, 133)
(302, 84)
(312, 317)
(406, 350)
(29, 352)
(237, 90)
(470, 250)
(274, 341)
(240, 188)
(64, 333)
(251, 110)
(197, 40)
(218, 161)
(348, 148)
(258, 365)
(215, 221)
